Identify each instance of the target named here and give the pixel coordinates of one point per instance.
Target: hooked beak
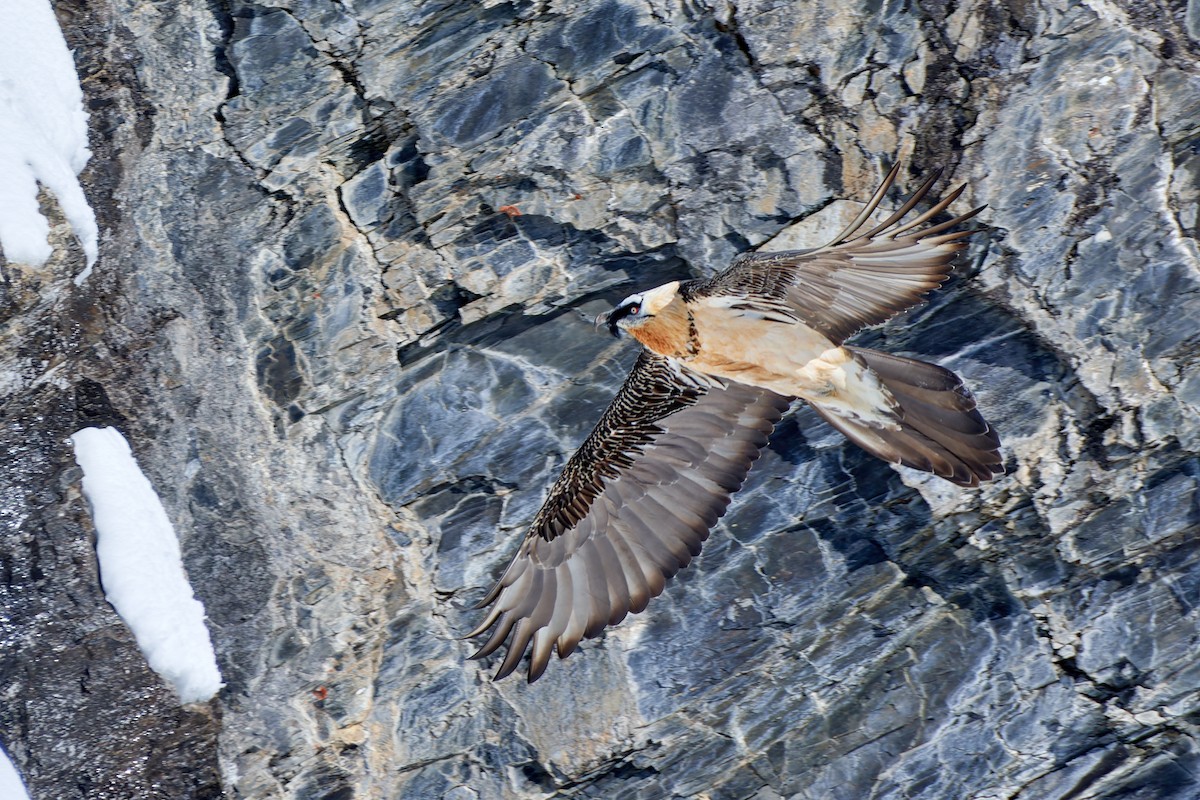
(602, 320)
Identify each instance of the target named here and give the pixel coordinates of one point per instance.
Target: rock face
(350, 252)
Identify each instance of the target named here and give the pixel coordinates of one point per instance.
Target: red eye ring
(635, 308)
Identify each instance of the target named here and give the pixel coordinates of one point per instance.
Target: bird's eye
(635, 309)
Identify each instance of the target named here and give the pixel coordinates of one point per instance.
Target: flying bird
(722, 359)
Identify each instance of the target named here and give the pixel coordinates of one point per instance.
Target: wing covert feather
(632, 507)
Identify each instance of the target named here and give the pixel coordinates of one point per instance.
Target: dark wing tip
(536, 669)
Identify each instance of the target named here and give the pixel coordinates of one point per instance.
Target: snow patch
(141, 567)
(11, 787)
(43, 134)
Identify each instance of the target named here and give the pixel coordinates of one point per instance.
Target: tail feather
(941, 430)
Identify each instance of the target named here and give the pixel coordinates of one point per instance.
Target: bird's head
(637, 309)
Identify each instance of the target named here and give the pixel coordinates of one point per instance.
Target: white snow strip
(141, 568)
(43, 134)
(11, 787)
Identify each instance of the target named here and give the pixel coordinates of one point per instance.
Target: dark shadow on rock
(633, 271)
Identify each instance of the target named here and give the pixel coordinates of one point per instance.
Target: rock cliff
(350, 252)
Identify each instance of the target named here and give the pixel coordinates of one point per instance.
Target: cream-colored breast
(791, 359)
(744, 344)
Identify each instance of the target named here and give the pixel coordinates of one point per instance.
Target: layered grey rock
(350, 256)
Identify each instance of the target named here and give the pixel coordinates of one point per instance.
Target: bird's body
(787, 357)
(722, 359)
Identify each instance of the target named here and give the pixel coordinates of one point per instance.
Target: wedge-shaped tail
(941, 431)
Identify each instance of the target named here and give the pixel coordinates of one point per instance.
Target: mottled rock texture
(351, 377)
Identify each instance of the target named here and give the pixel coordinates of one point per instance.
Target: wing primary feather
(870, 207)
(492, 616)
(513, 572)
(618, 589)
(518, 589)
(549, 610)
(564, 604)
(657, 563)
(929, 236)
(597, 583)
(522, 633)
(929, 213)
(516, 604)
(507, 620)
(908, 206)
(950, 237)
(656, 578)
(580, 607)
(532, 612)
(635, 576)
(539, 653)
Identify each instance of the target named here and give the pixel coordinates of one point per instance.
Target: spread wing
(631, 508)
(863, 277)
